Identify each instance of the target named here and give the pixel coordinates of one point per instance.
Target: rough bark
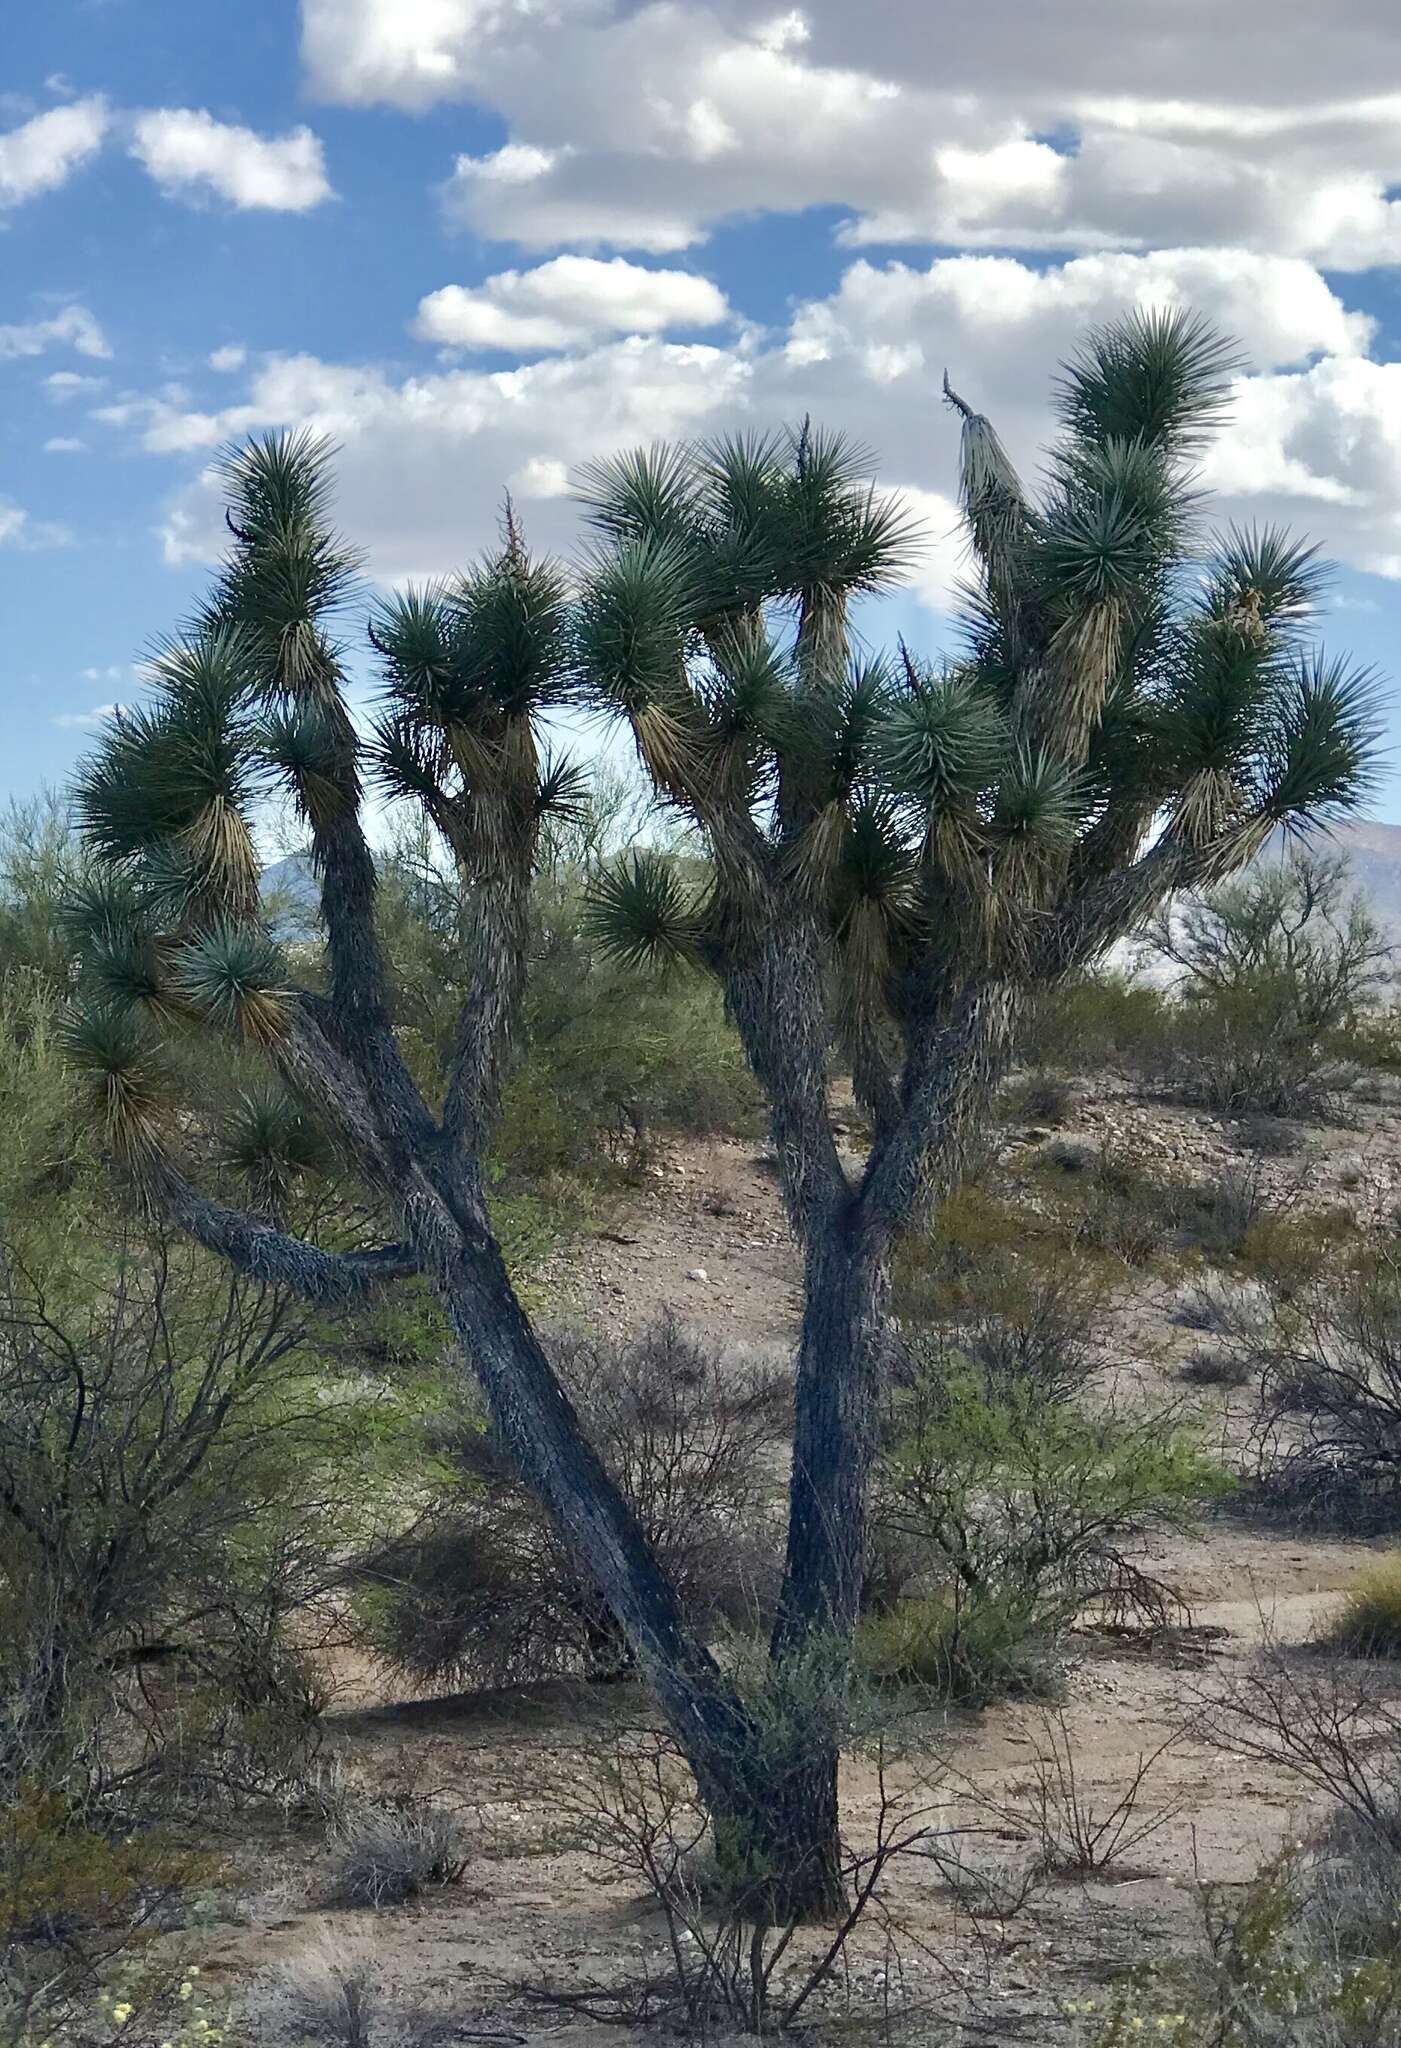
(840, 1374)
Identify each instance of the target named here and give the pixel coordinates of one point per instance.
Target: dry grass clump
(383, 1855)
(1370, 1622)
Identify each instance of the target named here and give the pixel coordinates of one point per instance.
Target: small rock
(697, 1273)
(1351, 1170)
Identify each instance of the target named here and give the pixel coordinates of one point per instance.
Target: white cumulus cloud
(18, 530)
(71, 327)
(191, 155)
(43, 153)
(1014, 126)
(571, 300)
(1315, 439)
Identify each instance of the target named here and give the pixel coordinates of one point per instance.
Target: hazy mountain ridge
(1372, 851)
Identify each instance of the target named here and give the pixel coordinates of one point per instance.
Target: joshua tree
(899, 855)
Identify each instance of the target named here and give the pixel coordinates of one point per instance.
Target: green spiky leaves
(288, 569)
(631, 624)
(108, 1048)
(1320, 757)
(1264, 582)
(234, 976)
(641, 913)
(272, 1144)
(468, 669)
(642, 494)
(1161, 377)
(942, 741)
(181, 773)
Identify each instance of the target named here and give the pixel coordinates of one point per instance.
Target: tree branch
(269, 1255)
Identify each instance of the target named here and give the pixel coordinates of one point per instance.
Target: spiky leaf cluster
(469, 669)
(1123, 681)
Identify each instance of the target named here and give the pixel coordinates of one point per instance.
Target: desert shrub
(1014, 1505)
(1272, 1972)
(484, 1589)
(1217, 1365)
(1094, 1021)
(166, 1524)
(1128, 1210)
(341, 1999)
(1308, 1954)
(142, 2000)
(1041, 1097)
(1080, 1830)
(1329, 1444)
(970, 1650)
(1223, 1304)
(42, 862)
(384, 1855)
(1227, 1208)
(76, 1895)
(734, 1959)
(989, 1263)
(1286, 1249)
(1370, 1622)
(1072, 1154)
(1272, 1137)
(1275, 970)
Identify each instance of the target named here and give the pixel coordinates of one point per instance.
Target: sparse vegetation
(1276, 970)
(1003, 1510)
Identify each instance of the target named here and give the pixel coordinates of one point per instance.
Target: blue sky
(480, 241)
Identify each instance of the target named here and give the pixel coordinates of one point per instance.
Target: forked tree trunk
(768, 1779)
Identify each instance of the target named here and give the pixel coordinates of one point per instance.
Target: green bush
(1013, 1509)
(1307, 1955)
(180, 1467)
(1279, 970)
(1097, 1020)
(968, 1649)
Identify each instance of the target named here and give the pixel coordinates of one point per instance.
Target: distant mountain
(1373, 854)
(291, 897)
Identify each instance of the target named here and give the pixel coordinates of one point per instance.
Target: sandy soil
(533, 1906)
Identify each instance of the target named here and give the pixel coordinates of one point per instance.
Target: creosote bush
(1004, 1509)
(1329, 1450)
(1276, 969)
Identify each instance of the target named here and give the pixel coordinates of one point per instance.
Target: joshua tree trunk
(840, 1375)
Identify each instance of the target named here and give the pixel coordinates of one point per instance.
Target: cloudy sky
(480, 241)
